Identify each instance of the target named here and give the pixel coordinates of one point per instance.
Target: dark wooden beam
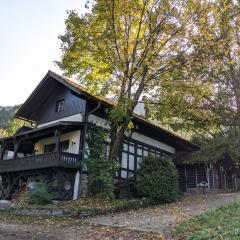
(16, 144)
(2, 152)
(58, 138)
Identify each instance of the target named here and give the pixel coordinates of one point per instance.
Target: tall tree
(224, 73)
(215, 64)
(125, 49)
(214, 113)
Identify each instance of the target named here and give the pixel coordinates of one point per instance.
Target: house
(59, 110)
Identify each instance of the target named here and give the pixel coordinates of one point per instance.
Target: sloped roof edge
(80, 89)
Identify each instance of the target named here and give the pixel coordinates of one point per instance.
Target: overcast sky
(29, 43)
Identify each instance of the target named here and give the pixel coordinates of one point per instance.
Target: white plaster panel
(131, 162)
(123, 174)
(74, 118)
(124, 160)
(101, 122)
(153, 142)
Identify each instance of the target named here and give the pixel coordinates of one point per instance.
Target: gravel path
(162, 218)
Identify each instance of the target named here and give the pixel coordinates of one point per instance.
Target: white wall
(137, 136)
(73, 137)
(74, 118)
(101, 122)
(152, 142)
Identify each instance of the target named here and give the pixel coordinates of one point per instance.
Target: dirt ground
(10, 231)
(149, 223)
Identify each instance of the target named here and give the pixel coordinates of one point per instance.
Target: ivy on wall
(100, 169)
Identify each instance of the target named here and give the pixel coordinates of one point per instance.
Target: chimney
(140, 108)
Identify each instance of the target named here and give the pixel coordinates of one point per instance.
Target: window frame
(129, 142)
(52, 146)
(60, 106)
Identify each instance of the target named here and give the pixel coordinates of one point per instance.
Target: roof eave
(71, 85)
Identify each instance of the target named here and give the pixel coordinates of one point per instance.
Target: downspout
(83, 141)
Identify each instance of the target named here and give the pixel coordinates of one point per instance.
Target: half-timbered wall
(132, 153)
(135, 147)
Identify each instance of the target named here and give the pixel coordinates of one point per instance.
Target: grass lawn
(222, 223)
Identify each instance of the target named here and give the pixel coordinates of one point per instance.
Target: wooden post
(232, 182)
(225, 180)
(16, 146)
(58, 136)
(185, 173)
(196, 176)
(2, 151)
(213, 175)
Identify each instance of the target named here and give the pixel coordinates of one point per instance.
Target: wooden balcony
(61, 159)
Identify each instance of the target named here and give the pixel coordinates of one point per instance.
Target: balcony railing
(62, 159)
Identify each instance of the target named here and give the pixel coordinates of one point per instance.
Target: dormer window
(60, 106)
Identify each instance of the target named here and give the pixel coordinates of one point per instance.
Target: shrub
(157, 178)
(42, 194)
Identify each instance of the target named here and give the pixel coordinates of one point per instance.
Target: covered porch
(29, 144)
(51, 153)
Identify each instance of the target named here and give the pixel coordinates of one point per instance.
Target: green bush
(42, 194)
(157, 178)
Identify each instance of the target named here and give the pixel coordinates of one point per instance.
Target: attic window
(60, 106)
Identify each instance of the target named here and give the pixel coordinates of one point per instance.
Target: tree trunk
(117, 131)
(117, 135)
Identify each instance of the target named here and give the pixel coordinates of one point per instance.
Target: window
(63, 147)
(132, 154)
(49, 148)
(60, 106)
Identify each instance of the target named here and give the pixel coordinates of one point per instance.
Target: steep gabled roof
(24, 111)
(81, 88)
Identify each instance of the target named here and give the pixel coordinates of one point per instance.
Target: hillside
(6, 114)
